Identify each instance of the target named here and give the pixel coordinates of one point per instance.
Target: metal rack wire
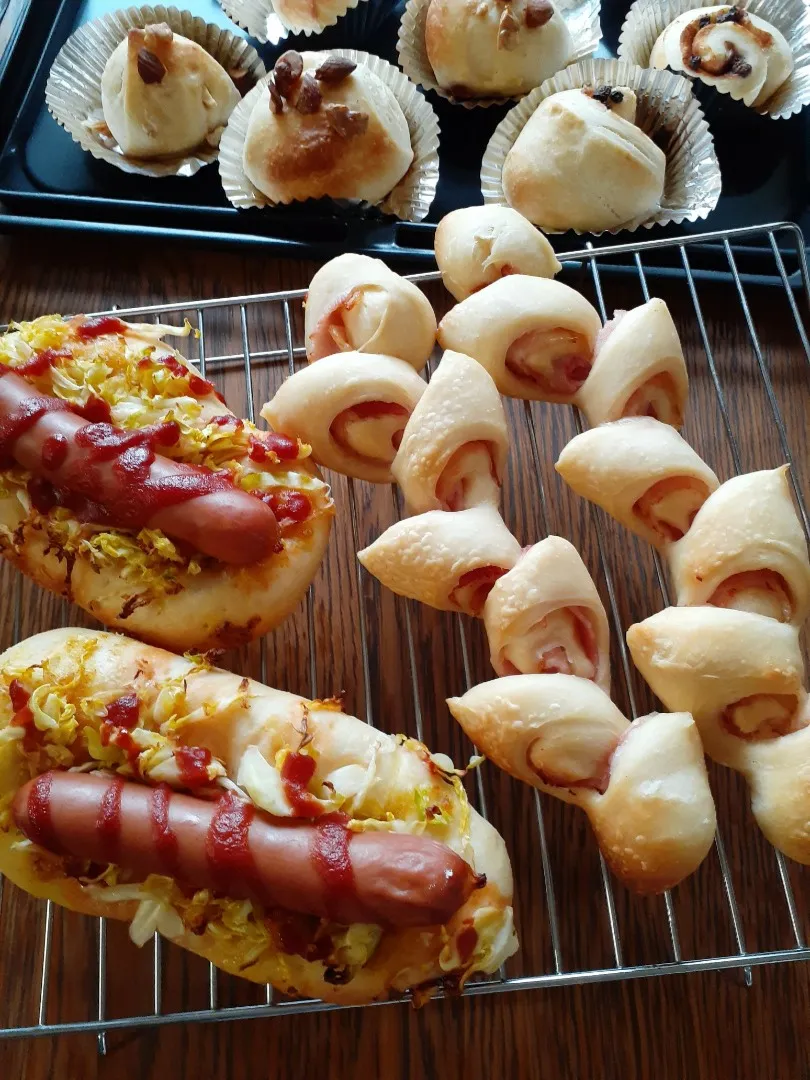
(595, 262)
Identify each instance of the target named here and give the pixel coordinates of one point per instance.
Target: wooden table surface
(699, 1026)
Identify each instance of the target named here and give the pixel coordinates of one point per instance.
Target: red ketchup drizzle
(23, 717)
(18, 694)
(466, 942)
(120, 717)
(192, 765)
(16, 423)
(289, 507)
(226, 842)
(108, 823)
(40, 827)
(54, 452)
(226, 420)
(163, 837)
(330, 853)
(38, 364)
(285, 448)
(296, 772)
(95, 410)
(198, 386)
(101, 324)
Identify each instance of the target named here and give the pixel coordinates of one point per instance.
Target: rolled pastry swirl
(746, 549)
(447, 561)
(453, 450)
(643, 785)
(642, 473)
(545, 616)
(357, 303)
(639, 369)
(534, 336)
(726, 47)
(351, 408)
(479, 244)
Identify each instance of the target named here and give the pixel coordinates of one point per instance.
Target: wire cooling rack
(749, 357)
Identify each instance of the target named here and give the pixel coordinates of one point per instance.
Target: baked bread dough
(581, 164)
(534, 336)
(356, 302)
(162, 94)
(479, 244)
(454, 448)
(309, 15)
(639, 369)
(495, 48)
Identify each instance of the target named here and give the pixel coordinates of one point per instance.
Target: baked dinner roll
(739, 674)
(323, 126)
(447, 561)
(581, 163)
(639, 369)
(479, 244)
(776, 770)
(453, 451)
(746, 549)
(535, 337)
(729, 48)
(355, 302)
(545, 615)
(495, 48)
(351, 408)
(643, 785)
(128, 487)
(309, 15)
(162, 94)
(642, 473)
(277, 837)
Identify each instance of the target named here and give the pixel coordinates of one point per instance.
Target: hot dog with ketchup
(127, 484)
(278, 837)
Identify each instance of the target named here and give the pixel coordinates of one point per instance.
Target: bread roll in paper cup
(274, 20)
(581, 18)
(412, 195)
(73, 91)
(667, 111)
(647, 19)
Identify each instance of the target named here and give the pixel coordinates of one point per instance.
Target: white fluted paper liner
(73, 90)
(665, 104)
(647, 19)
(581, 18)
(410, 200)
(263, 22)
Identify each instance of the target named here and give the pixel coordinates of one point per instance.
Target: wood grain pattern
(703, 1025)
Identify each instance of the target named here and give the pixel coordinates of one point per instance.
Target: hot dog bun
(382, 783)
(141, 581)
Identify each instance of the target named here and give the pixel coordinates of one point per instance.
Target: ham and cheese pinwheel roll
(545, 615)
(639, 369)
(739, 674)
(534, 336)
(355, 302)
(746, 549)
(643, 785)
(453, 451)
(447, 561)
(351, 409)
(642, 473)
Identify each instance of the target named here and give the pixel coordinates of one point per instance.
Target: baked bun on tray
(314, 852)
(128, 487)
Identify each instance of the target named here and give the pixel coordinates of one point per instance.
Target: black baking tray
(47, 180)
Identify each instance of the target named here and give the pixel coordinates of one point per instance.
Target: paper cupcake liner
(410, 200)
(646, 20)
(73, 90)
(260, 19)
(581, 17)
(667, 111)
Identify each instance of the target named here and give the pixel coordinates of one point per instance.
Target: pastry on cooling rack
(643, 785)
(582, 163)
(639, 369)
(534, 336)
(351, 408)
(454, 447)
(447, 561)
(642, 473)
(746, 549)
(495, 48)
(728, 48)
(479, 244)
(163, 95)
(545, 615)
(325, 126)
(277, 837)
(356, 302)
